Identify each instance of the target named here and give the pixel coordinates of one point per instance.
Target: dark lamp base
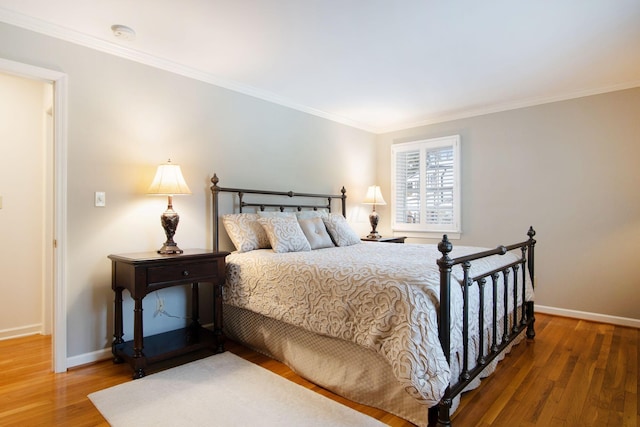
(169, 220)
(170, 249)
(373, 219)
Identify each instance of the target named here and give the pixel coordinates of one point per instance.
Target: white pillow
(285, 234)
(316, 233)
(340, 230)
(245, 232)
(311, 214)
(271, 214)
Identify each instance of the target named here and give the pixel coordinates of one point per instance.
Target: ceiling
(379, 65)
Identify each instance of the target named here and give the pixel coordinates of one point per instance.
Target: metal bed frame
(513, 326)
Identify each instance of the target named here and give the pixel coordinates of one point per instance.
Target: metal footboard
(513, 323)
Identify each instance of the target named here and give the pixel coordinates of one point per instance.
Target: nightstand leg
(138, 345)
(195, 305)
(217, 317)
(117, 326)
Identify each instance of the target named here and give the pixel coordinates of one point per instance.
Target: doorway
(49, 258)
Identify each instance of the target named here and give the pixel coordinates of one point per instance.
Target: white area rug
(221, 390)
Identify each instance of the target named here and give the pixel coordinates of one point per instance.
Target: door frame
(59, 81)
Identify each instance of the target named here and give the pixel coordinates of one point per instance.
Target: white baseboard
(94, 356)
(21, 331)
(584, 315)
(99, 355)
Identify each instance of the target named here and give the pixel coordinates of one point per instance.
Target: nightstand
(385, 239)
(146, 272)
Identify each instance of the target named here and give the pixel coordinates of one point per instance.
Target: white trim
(66, 34)
(60, 226)
(59, 80)
(584, 315)
(508, 106)
(422, 147)
(104, 354)
(427, 235)
(21, 331)
(94, 356)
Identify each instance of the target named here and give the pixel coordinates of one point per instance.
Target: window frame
(424, 229)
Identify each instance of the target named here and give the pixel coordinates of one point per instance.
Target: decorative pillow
(316, 233)
(340, 230)
(285, 234)
(245, 231)
(278, 214)
(311, 214)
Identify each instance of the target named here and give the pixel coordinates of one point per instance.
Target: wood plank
(574, 373)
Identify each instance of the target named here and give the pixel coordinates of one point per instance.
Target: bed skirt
(357, 373)
(351, 371)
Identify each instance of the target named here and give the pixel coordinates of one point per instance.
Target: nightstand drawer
(192, 272)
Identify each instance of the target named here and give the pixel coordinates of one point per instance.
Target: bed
(402, 327)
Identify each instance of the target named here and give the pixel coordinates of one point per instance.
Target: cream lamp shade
(169, 182)
(374, 197)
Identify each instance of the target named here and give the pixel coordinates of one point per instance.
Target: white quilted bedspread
(378, 295)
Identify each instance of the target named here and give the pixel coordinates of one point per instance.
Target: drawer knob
(185, 273)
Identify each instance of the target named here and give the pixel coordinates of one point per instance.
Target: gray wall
(570, 169)
(126, 118)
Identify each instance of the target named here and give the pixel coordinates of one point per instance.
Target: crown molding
(52, 30)
(75, 37)
(497, 108)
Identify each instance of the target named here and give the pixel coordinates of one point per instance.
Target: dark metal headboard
(215, 191)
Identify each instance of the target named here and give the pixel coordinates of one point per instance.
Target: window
(425, 182)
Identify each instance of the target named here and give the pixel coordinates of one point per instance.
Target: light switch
(100, 199)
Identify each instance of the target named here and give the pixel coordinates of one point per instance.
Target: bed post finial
(215, 190)
(344, 201)
(445, 246)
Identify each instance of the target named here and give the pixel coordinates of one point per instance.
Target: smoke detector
(123, 32)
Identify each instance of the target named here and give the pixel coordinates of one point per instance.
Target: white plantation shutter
(426, 185)
(439, 185)
(408, 189)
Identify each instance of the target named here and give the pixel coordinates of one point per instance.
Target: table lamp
(169, 182)
(374, 197)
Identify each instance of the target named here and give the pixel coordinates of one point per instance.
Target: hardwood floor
(575, 373)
